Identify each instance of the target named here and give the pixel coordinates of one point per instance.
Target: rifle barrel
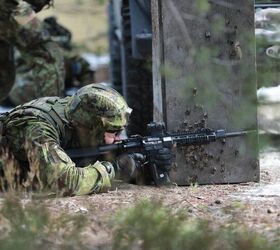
(235, 134)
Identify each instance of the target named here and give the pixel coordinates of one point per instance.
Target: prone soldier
(40, 131)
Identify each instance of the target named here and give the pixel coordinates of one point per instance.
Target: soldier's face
(110, 138)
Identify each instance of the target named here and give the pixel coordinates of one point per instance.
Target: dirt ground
(256, 205)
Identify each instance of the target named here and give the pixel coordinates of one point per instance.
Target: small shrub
(31, 226)
(150, 225)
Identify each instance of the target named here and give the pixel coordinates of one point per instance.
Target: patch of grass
(9, 171)
(150, 225)
(31, 226)
(235, 207)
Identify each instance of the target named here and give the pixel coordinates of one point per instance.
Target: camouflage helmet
(98, 105)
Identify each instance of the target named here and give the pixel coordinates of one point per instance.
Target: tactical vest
(50, 109)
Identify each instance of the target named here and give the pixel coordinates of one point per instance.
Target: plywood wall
(204, 76)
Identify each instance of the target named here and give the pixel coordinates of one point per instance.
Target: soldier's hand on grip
(126, 166)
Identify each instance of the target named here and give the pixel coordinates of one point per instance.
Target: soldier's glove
(162, 158)
(127, 165)
(110, 169)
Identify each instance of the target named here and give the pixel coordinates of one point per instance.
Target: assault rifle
(149, 145)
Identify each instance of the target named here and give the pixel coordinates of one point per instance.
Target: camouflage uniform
(78, 71)
(43, 70)
(38, 132)
(42, 73)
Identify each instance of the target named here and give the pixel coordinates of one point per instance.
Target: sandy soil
(256, 205)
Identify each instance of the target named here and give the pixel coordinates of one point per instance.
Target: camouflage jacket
(37, 134)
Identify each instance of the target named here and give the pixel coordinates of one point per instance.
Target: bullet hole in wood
(208, 34)
(188, 112)
(194, 91)
(213, 170)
